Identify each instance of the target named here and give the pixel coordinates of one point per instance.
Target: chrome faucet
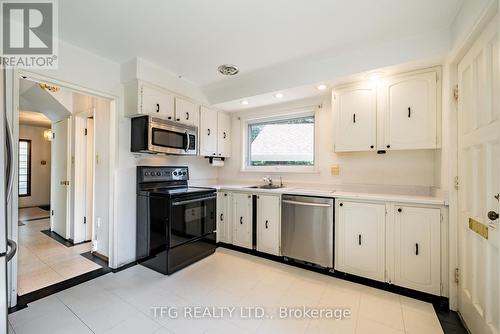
(268, 180)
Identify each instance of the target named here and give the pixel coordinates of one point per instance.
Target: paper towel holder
(211, 159)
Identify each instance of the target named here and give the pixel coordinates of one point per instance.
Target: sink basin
(266, 186)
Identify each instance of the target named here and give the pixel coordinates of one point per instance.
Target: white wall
(397, 171)
(40, 174)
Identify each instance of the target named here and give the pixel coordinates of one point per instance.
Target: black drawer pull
(224, 135)
(208, 130)
(221, 216)
(267, 224)
(409, 112)
(359, 239)
(341, 204)
(157, 107)
(416, 248)
(187, 116)
(241, 220)
(354, 118)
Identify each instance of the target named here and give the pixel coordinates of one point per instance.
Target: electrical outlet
(335, 170)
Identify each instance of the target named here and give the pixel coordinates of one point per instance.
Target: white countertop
(325, 192)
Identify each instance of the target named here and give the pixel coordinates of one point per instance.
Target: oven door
(192, 218)
(172, 139)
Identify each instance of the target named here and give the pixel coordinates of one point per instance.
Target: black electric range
(175, 223)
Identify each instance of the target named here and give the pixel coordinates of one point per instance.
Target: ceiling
(191, 38)
(34, 119)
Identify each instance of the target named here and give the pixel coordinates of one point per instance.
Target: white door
(355, 112)
(360, 239)
(208, 132)
(242, 220)
(408, 104)
(156, 102)
(223, 135)
(224, 225)
(89, 186)
(479, 182)
(268, 224)
(60, 176)
(417, 250)
(186, 112)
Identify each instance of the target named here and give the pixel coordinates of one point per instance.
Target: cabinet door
(360, 239)
(410, 110)
(242, 220)
(417, 251)
(355, 118)
(157, 102)
(224, 219)
(208, 132)
(268, 224)
(224, 135)
(186, 112)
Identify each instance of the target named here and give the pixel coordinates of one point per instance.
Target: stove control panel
(160, 174)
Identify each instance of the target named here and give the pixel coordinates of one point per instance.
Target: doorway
(57, 239)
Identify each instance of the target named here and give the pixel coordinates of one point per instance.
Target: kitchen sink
(266, 186)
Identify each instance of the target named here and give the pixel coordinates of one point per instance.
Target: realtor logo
(29, 34)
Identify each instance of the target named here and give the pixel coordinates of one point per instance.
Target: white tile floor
(122, 302)
(42, 261)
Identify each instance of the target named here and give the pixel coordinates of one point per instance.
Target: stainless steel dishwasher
(307, 229)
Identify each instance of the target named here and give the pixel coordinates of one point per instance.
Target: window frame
(28, 193)
(245, 165)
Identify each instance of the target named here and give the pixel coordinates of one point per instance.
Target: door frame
(450, 137)
(12, 104)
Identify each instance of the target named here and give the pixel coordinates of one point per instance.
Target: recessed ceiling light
(244, 102)
(374, 75)
(278, 95)
(228, 69)
(321, 87)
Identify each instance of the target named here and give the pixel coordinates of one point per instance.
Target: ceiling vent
(227, 69)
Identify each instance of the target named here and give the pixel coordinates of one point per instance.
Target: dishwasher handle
(306, 204)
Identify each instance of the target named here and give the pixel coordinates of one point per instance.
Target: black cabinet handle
(416, 248)
(267, 224)
(224, 135)
(371, 146)
(208, 130)
(169, 117)
(157, 107)
(187, 116)
(241, 220)
(409, 112)
(399, 210)
(359, 239)
(221, 216)
(341, 204)
(354, 118)
(225, 194)
(178, 119)
(388, 146)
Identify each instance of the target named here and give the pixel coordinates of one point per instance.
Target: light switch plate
(335, 170)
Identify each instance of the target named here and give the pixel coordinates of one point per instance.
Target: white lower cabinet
(242, 220)
(417, 250)
(360, 239)
(268, 224)
(224, 218)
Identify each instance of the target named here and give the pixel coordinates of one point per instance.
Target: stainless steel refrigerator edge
(307, 229)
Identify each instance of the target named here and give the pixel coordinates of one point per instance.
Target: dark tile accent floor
(61, 240)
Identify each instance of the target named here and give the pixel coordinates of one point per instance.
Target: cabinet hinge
(457, 275)
(442, 218)
(456, 93)
(457, 184)
(53, 135)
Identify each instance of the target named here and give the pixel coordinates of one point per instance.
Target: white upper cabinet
(186, 111)
(417, 251)
(355, 114)
(360, 239)
(208, 132)
(409, 107)
(398, 113)
(145, 99)
(242, 220)
(215, 133)
(223, 135)
(268, 224)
